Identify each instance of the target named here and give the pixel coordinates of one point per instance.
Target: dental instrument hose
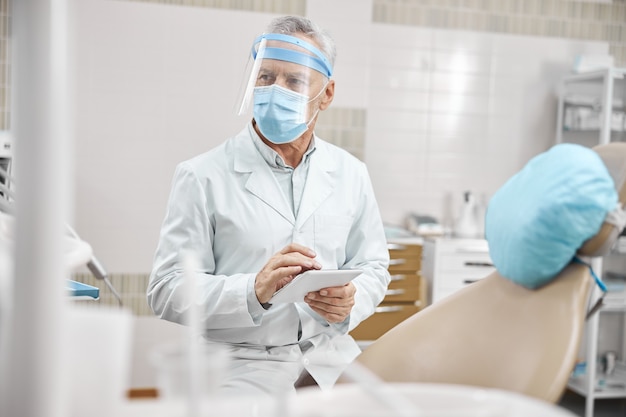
(94, 265)
(96, 268)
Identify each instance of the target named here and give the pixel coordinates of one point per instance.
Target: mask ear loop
(600, 302)
(315, 98)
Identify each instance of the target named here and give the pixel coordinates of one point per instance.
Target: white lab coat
(227, 206)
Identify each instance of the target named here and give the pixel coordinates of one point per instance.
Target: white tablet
(313, 280)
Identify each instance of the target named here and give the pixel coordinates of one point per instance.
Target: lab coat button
(305, 361)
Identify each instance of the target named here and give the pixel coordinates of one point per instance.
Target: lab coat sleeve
(223, 301)
(367, 250)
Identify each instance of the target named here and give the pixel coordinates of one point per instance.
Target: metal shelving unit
(592, 111)
(582, 100)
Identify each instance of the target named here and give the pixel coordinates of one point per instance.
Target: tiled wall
(344, 127)
(296, 7)
(571, 19)
(453, 111)
(130, 287)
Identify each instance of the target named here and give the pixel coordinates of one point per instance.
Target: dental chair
(498, 334)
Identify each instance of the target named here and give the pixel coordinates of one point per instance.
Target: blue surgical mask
(280, 113)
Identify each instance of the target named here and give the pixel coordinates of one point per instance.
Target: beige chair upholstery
(497, 334)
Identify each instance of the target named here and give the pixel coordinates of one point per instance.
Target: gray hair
(288, 25)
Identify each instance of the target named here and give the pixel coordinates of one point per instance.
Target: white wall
(350, 24)
(447, 110)
(156, 85)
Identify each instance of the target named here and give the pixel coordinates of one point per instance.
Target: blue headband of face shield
(318, 61)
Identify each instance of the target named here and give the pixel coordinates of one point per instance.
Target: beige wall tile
(263, 6)
(550, 18)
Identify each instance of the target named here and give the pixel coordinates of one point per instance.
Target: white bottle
(466, 226)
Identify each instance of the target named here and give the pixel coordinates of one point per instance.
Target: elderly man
(267, 204)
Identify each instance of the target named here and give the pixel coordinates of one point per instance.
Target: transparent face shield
(293, 65)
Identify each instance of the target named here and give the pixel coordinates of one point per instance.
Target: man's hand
(334, 303)
(282, 268)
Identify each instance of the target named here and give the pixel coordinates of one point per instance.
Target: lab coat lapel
(320, 184)
(261, 182)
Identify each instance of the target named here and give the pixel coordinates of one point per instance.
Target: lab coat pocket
(331, 236)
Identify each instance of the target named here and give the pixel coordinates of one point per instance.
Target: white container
(467, 224)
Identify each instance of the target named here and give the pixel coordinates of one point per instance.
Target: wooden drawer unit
(404, 258)
(406, 293)
(385, 317)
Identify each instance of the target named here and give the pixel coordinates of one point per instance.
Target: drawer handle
(398, 277)
(482, 264)
(388, 309)
(397, 291)
(395, 246)
(397, 261)
(469, 281)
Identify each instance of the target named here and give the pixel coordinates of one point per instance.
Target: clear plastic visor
(286, 61)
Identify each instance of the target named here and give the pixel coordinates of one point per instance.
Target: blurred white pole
(194, 366)
(31, 384)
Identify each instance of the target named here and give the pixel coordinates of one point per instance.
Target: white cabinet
(592, 111)
(449, 264)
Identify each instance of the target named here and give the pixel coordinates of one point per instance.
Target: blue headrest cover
(541, 216)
